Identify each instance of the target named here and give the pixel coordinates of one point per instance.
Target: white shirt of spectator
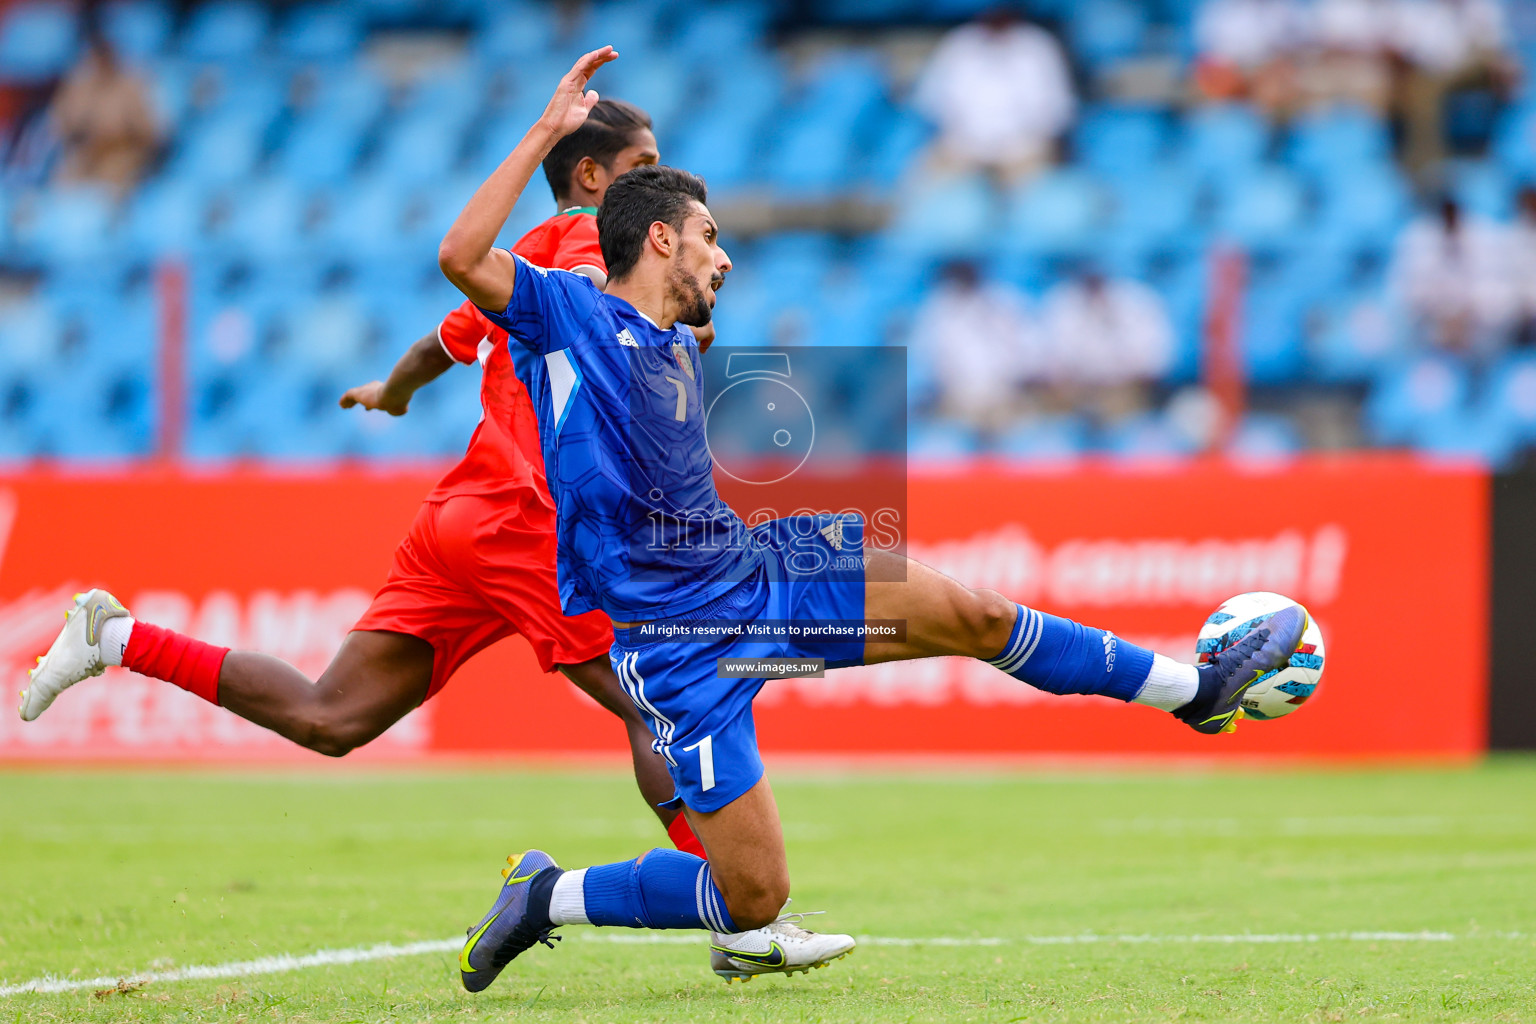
(981, 342)
(997, 97)
(1443, 36)
(1352, 26)
(1249, 33)
(1472, 275)
(1120, 335)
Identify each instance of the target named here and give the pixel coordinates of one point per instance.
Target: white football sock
(114, 639)
(568, 901)
(1171, 684)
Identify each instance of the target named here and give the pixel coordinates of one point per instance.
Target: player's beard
(693, 307)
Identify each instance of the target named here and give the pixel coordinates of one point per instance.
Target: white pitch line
(285, 962)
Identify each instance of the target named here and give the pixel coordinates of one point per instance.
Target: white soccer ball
(1276, 693)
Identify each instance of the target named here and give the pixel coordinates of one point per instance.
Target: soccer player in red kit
(477, 565)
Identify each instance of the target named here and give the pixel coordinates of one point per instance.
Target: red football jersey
(504, 452)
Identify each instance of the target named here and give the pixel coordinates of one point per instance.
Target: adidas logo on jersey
(834, 534)
(625, 338)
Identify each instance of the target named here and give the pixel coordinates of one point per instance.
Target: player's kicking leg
(944, 617)
(376, 678)
(705, 730)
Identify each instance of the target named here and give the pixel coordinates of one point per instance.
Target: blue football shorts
(810, 579)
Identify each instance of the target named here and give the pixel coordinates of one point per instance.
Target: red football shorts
(474, 569)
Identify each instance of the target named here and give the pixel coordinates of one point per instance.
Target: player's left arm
(468, 255)
(423, 362)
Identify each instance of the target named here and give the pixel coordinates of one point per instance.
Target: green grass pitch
(110, 873)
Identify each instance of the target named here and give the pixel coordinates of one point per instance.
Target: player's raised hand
(373, 396)
(571, 103)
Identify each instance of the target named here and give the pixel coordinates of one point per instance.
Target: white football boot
(74, 656)
(782, 947)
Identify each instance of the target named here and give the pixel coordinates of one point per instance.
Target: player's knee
(757, 903)
(986, 621)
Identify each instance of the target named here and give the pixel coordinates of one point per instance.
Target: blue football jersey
(642, 533)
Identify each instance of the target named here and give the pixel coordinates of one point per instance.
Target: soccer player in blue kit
(642, 535)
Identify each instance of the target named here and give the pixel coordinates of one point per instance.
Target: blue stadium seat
(1055, 440)
(1466, 435)
(1058, 212)
(1336, 140)
(1120, 142)
(1264, 437)
(137, 29)
(266, 220)
(1154, 207)
(899, 137)
(1355, 337)
(321, 150)
(1104, 31)
(166, 216)
(67, 222)
(348, 93)
(219, 150)
(1147, 436)
(38, 40)
(420, 151)
(719, 145)
(941, 442)
(1367, 206)
(1224, 139)
(31, 335)
(1515, 139)
(721, 29)
(320, 31)
(1483, 187)
(629, 28)
(225, 30)
(945, 217)
(1271, 334)
(519, 31)
(1429, 388)
(1262, 208)
(1511, 394)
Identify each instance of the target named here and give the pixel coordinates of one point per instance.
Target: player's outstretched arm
(422, 363)
(468, 255)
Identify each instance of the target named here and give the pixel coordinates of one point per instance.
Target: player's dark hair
(609, 128)
(636, 200)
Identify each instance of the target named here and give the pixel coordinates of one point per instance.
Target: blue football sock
(663, 889)
(1061, 656)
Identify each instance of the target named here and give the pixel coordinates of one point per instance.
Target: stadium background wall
(1391, 555)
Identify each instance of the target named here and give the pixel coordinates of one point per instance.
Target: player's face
(698, 269)
(640, 151)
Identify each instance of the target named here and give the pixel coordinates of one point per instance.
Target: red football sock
(683, 838)
(163, 654)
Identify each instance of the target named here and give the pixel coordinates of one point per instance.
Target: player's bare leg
(944, 617)
(375, 679)
(746, 854)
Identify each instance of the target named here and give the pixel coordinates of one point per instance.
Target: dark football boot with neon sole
(1226, 677)
(518, 919)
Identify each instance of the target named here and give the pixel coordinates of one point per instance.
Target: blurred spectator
(1523, 242)
(1110, 342)
(978, 337)
(1456, 277)
(1000, 91)
(104, 121)
(1348, 56)
(1247, 50)
(1447, 47)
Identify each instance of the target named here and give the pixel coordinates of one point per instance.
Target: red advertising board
(1389, 554)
